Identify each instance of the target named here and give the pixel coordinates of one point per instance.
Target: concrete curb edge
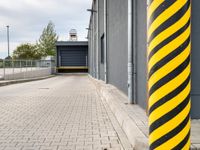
(136, 137)
(5, 83)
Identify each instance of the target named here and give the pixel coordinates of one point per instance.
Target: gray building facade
(108, 33)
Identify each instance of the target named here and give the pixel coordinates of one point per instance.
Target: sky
(27, 19)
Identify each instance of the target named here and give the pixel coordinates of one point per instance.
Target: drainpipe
(105, 41)
(130, 53)
(90, 52)
(97, 39)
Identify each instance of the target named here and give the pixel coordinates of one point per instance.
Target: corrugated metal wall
(195, 59)
(117, 37)
(141, 48)
(101, 32)
(90, 48)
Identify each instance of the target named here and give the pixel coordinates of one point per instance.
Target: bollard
(20, 66)
(169, 82)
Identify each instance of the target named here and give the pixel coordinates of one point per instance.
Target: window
(102, 49)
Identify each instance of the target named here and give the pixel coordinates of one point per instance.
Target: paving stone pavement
(60, 113)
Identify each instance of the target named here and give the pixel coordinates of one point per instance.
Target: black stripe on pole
(170, 115)
(171, 134)
(169, 96)
(160, 9)
(172, 20)
(169, 39)
(170, 76)
(169, 57)
(183, 143)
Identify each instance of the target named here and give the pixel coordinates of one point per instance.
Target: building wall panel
(117, 43)
(141, 47)
(195, 94)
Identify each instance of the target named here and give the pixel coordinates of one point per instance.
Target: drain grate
(44, 88)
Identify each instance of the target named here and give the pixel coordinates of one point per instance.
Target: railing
(23, 69)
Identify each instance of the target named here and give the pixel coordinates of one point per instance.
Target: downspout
(130, 53)
(90, 52)
(105, 41)
(97, 39)
(132, 94)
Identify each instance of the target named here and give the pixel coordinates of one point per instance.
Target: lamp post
(8, 40)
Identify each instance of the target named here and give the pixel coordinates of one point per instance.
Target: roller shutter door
(73, 57)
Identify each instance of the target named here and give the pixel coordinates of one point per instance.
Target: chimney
(73, 35)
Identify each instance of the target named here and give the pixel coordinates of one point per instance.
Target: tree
(47, 41)
(26, 51)
(8, 57)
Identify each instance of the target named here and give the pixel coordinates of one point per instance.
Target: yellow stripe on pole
(168, 106)
(170, 66)
(169, 71)
(167, 49)
(168, 126)
(169, 31)
(175, 140)
(153, 7)
(169, 87)
(166, 15)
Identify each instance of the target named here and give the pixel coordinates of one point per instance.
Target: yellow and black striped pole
(169, 82)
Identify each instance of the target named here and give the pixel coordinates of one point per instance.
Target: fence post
(26, 68)
(169, 82)
(20, 66)
(4, 69)
(13, 70)
(31, 65)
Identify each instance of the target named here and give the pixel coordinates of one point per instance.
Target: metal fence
(22, 69)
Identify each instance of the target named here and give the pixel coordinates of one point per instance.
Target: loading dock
(71, 56)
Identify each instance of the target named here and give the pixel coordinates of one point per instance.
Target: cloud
(27, 18)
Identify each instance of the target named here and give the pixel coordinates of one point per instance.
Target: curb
(5, 83)
(134, 133)
(136, 137)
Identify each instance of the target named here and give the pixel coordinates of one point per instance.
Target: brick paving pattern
(61, 113)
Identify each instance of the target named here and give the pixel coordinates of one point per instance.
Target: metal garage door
(73, 57)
